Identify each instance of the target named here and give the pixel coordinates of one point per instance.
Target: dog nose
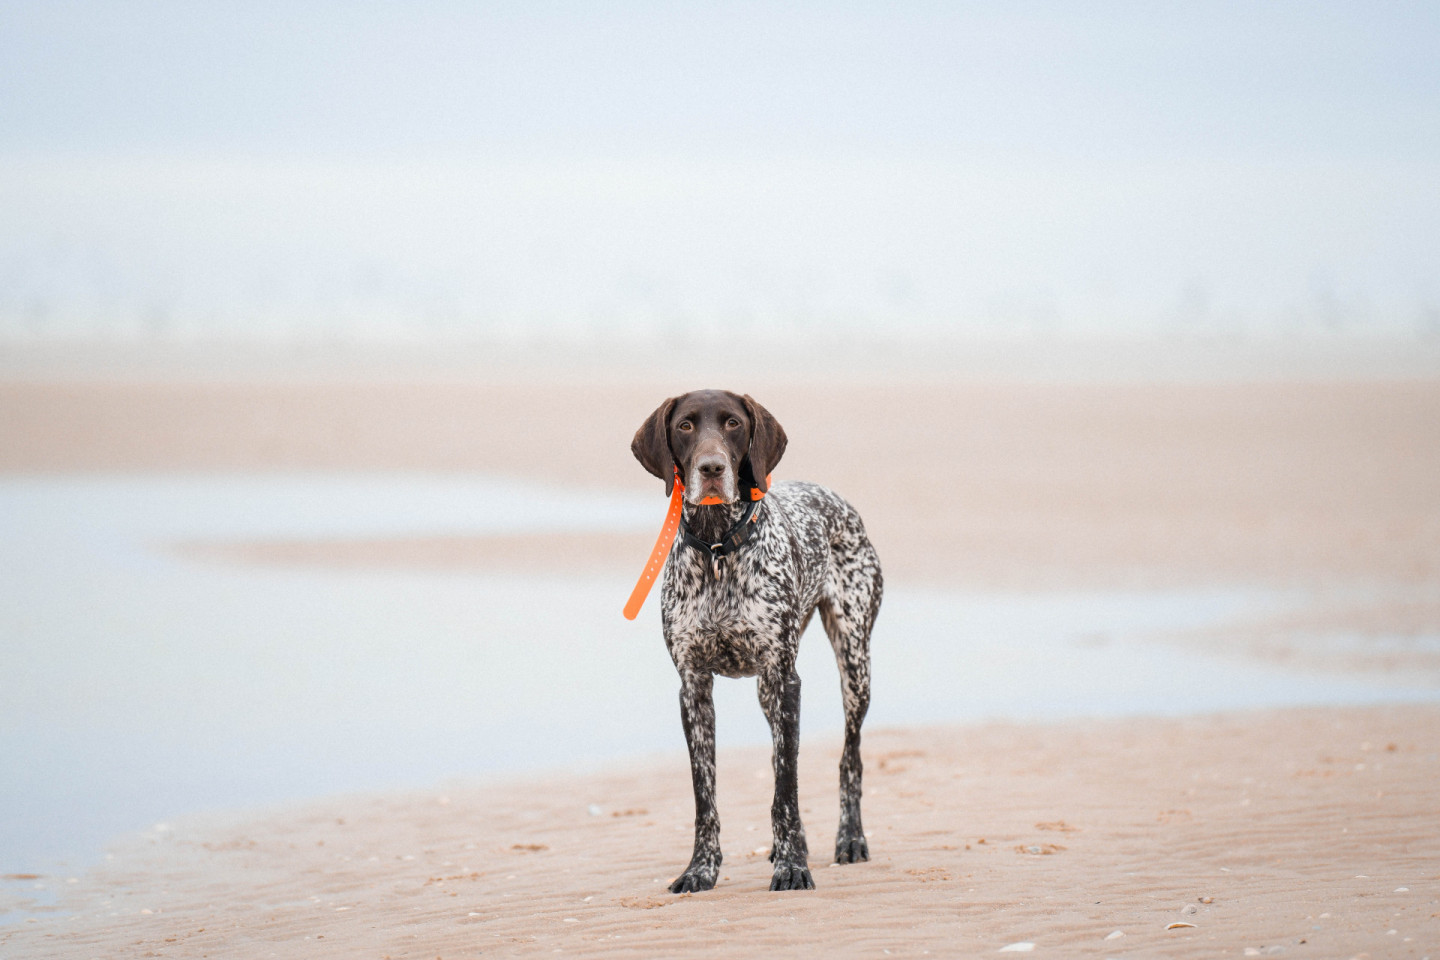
(711, 467)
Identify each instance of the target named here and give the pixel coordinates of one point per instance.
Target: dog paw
(851, 848)
(792, 876)
(694, 880)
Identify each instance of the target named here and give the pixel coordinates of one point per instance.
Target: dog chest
(721, 633)
(729, 653)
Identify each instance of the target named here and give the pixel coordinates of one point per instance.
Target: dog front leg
(697, 714)
(780, 699)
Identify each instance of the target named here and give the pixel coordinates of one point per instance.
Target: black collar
(735, 538)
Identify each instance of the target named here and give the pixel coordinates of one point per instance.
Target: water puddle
(137, 684)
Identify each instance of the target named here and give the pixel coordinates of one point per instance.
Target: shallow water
(136, 684)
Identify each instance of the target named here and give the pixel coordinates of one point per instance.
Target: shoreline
(1263, 829)
(1297, 824)
(1132, 485)
(1028, 357)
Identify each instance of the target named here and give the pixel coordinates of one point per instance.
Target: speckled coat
(809, 552)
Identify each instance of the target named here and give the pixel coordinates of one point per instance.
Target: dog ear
(767, 442)
(651, 445)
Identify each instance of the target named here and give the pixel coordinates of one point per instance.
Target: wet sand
(1303, 833)
(1020, 484)
(1297, 825)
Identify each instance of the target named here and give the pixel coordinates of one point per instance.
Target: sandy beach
(1307, 833)
(1016, 484)
(1302, 832)
(325, 329)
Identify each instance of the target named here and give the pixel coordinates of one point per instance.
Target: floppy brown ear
(767, 442)
(651, 445)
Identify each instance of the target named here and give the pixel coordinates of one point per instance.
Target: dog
(754, 564)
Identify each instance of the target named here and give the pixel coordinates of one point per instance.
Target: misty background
(362, 171)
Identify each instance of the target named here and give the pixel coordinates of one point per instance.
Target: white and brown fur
(743, 615)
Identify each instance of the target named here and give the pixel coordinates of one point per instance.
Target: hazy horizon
(435, 171)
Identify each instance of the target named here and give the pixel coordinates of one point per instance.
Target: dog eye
(732, 423)
(685, 425)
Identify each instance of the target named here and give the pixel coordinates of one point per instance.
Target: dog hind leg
(848, 612)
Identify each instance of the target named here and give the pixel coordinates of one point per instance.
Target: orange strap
(657, 556)
(663, 544)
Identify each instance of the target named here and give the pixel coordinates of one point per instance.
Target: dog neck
(711, 521)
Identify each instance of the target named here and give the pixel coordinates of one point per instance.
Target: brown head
(723, 444)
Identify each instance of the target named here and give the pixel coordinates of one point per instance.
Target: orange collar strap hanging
(663, 543)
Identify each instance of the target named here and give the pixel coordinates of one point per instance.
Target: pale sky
(174, 167)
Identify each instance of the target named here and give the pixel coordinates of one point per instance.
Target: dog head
(722, 443)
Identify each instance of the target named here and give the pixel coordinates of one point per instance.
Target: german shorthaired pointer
(754, 563)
